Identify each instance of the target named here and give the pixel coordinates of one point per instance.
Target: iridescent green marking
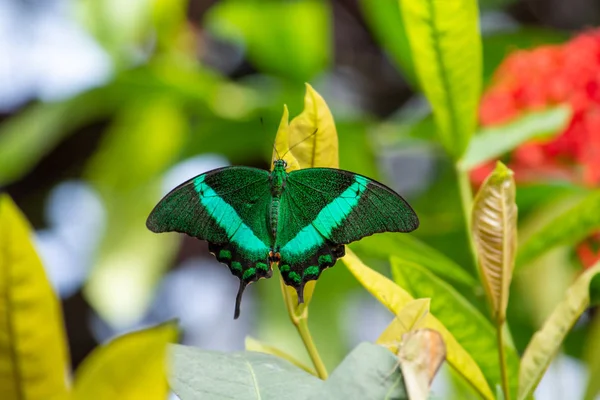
(284, 268)
(262, 266)
(250, 273)
(225, 254)
(313, 270)
(235, 265)
(295, 277)
(325, 259)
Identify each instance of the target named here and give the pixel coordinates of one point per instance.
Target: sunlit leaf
(131, 367)
(395, 298)
(290, 39)
(490, 143)
(258, 346)
(385, 21)
(494, 230)
(411, 317)
(446, 48)
(567, 228)
(421, 355)
(468, 326)
(311, 135)
(547, 341)
(409, 248)
(33, 350)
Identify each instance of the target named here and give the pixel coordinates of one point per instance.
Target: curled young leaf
(494, 229)
(311, 138)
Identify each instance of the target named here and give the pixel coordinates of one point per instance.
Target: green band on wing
(329, 218)
(228, 219)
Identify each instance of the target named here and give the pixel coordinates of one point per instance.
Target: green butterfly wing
(322, 209)
(229, 208)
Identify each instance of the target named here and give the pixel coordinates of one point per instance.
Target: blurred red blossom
(530, 80)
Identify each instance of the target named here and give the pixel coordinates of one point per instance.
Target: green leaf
(385, 21)
(197, 374)
(470, 328)
(411, 249)
(411, 317)
(258, 346)
(547, 341)
(33, 349)
(368, 372)
(568, 228)
(395, 299)
(446, 48)
(131, 367)
(491, 143)
(291, 38)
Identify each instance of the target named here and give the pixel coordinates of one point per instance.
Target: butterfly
(301, 220)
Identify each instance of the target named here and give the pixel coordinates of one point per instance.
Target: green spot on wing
(284, 268)
(262, 266)
(313, 270)
(225, 254)
(294, 277)
(249, 274)
(325, 259)
(236, 266)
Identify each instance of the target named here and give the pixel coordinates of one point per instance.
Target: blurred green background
(106, 105)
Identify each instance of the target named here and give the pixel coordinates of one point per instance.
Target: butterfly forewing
(228, 207)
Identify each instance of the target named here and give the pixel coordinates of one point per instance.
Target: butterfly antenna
(238, 299)
(303, 140)
(274, 146)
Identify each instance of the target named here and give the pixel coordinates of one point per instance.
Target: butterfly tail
(238, 299)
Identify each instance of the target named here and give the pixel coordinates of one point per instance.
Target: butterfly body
(299, 221)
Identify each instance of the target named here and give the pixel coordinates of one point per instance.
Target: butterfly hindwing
(228, 207)
(325, 208)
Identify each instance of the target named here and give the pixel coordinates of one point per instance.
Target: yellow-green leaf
(567, 228)
(409, 318)
(256, 345)
(395, 298)
(494, 230)
(456, 313)
(592, 357)
(547, 341)
(33, 351)
(446, 48)
(131, 367)
(311, 136)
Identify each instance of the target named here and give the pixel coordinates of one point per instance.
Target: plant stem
(502, 359)
(299, 316)
(302, 327)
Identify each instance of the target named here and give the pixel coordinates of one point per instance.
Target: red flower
(530, 80)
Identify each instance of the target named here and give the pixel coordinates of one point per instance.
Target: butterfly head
(280, 164)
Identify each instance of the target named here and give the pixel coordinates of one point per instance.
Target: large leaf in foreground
(130, 367)
(395, 298)
(446, 47)
(469, 327)
(547, 341)
(568, 228)
(33, 351)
